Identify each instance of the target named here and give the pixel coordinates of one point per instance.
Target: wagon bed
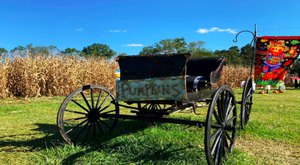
(170, 78)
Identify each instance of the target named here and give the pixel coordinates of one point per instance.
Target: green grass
(28, 135)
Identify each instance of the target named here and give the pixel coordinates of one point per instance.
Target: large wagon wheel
(86, 114)
(246, 103)
(220, 128)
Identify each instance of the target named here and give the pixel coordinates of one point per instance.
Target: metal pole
(253, 41)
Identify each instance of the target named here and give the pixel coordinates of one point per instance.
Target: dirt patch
(270, 152)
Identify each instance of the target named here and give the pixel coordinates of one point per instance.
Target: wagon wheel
(246, 103)
(87, 114)
(153, 109)
(220, 128)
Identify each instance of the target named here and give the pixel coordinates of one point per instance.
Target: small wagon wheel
(152, 110)
(246, 103)
(86, 114)
(220, 128)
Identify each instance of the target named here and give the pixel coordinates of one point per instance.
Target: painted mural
(274, 56)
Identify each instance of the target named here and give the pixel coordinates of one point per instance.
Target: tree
(149, 50)
(39, 50)
(31, 51)
(167, 46)
(196, 49)
(195, 46)
(98, 50)
(203, 53)
(20, 51)
(232, 55)
(71, 51)
(246, 54)
(3, 51)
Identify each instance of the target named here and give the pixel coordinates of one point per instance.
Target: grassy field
(28, 135)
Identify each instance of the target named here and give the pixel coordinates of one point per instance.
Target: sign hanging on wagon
(274, 57)
(168, 88)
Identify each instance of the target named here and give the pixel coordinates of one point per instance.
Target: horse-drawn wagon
(151, 88)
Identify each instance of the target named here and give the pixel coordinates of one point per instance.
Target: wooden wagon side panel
(167, 88)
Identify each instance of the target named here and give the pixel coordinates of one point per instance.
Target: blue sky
(128, 25)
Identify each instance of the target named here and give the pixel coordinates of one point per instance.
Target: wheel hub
(93, 115)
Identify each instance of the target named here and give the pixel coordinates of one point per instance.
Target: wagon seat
(203, 72)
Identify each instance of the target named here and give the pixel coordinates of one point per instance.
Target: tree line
(234, 55)
(94, 50)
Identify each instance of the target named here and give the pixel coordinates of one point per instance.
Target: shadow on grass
(156, 152)
(49, 136)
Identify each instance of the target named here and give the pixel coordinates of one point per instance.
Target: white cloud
(117, 31)
(216, 29)
(79, 30)
(134, 45)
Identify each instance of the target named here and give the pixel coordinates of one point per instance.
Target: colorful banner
(274, 56)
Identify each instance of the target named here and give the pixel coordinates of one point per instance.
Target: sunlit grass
(29, 135)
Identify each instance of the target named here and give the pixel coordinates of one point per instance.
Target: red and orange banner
(274, 56)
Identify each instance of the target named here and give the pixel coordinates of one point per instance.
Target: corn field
(53, 76)
(234, 75)
(58, 76)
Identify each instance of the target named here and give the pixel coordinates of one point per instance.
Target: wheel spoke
(145, 106)
(159, 107)
(74, 101)
(88, 131)
(109, 127)
(85, 100)
(216, 116)
(229, 112)
(230, 120)
(247, 109)
(98, 99)
(226, 142)
(223, 147)
(249, 94)
(94, 130)
(99, 126)
(72, 111)
(98, 108)
(226, 100)
(92, 98)
(108, 112)
(219, 108)
(229, 138)
(74, 119)
(222, 101)
(82, 129)
(217, 153)
(76, 126)
(215, 134)
(216, 142)
(104, 107)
